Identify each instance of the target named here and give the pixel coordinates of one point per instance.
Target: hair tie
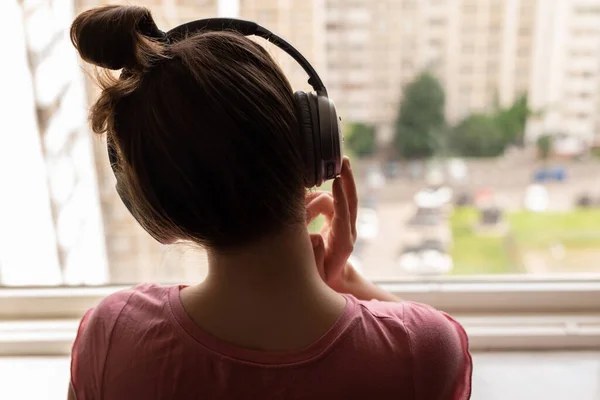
(147, 27)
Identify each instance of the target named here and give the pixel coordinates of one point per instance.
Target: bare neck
(282, 262)
(273, 282)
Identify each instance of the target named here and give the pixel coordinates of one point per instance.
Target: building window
(582, 115)
(435, 42)
(588, 10)
(469, 8)
(468, 48)
(525, 30)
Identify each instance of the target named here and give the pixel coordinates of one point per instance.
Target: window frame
(498, 313)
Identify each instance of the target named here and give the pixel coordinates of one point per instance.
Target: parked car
(433, 197)
(425, 259)
(427, 216)
(537, 198)
(464, 199)
(367, 224)
(558, 174)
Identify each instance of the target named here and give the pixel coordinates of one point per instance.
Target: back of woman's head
(204, 128)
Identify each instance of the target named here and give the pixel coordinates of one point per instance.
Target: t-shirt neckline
(231, 350)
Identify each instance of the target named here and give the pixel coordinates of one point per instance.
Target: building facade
(480, 50)
(565, 76)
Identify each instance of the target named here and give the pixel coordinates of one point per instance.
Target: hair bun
(111, 36)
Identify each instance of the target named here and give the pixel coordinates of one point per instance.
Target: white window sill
(498, 314)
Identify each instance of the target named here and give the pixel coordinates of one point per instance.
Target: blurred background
(473, 128)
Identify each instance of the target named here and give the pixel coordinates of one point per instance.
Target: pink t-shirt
(141, 344)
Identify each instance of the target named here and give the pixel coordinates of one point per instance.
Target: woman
(207, 150)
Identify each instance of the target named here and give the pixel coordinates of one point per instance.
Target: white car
(433, 198)
(537, 198)
(426, 262)
(367, 224)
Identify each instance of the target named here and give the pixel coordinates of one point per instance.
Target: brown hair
(205, 129)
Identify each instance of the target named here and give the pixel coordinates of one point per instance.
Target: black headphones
(319, 123)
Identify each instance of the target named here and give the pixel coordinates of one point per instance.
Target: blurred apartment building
(565, 79)
(479, 49)
(485, 52)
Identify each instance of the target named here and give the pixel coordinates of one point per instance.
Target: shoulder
(418, 320)
(438, 345)
(101, 319)
(96, 329)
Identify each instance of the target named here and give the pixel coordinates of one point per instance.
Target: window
(525, 30)
(470, 234)
(587, 10)
(468, 47)
(466, 69)
(435, 43)
(435, 21)
(469, 7)
(523, 51)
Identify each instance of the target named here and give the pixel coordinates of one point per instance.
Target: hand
(334, 244)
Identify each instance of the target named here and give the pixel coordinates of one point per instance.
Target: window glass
(479, 165)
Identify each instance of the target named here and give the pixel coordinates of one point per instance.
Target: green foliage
(478, 136)
(512, 120)
(544, 146)
(421, 118)
(488, 135)
(359, 139)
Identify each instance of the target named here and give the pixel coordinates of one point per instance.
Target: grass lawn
(574, 229)
(530, 234)
(473, 253)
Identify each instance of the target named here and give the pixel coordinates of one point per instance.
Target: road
(379, 257)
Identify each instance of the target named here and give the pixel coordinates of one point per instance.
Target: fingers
(341, 228)
(351, 193)
(318, 246)
(310, 196)
(322, 204)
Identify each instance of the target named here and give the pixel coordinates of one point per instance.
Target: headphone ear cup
(306, 126)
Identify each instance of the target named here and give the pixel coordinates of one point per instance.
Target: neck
(271, 283)
(281, 264)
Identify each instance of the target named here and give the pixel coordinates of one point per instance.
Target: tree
(478, 136)
(360, 139)
(544, 146)
(512, 120)
(421, 118)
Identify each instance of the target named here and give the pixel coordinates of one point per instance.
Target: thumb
(318, 246)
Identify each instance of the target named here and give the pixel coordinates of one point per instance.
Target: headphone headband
(249, 28)
(319, 124)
